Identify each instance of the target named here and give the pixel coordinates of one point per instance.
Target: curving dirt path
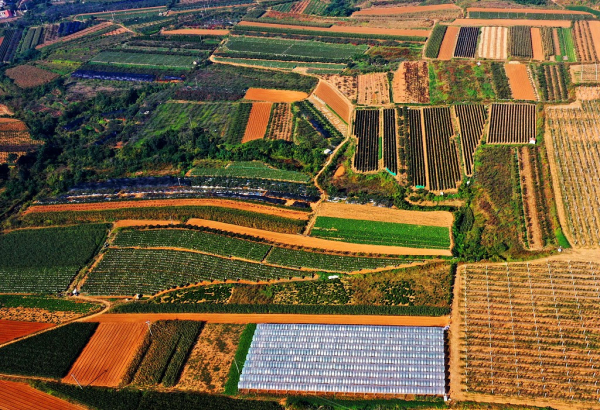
(151, 203)
(309, 242)
(242, 318)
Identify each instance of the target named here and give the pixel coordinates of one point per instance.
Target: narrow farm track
(21, 396)
(101, 206)
(107, 355)
(141, 318)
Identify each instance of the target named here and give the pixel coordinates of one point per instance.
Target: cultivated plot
(494, 43)
(471, 120)
(411, 83)
(520, 82)
(373, 89)
(512, 124)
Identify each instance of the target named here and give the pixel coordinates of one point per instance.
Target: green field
(49, 303)
(253, 169)
(381, 233)
(46, 260)
(146, 59)
(567, 45)
(291, 48)
(284, 65)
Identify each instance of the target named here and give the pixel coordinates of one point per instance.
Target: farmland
(449, 43)
(257, 121)
(584, 42)
(334, 100)
(42, 308)
(494, 43)
(106, 357)
(512, 124)
(12, 329)
(26, 76)
(373, 89)
(417, 169)
(15, 396)
(553, 81)
(566, 45)
(520, 83)
(466, 44)
(366, 129)
(347, 85)
(459, 81)
(527, 327)
(536, 44)
(442, 152)
(280, 123)
(282, 65)
(411, 83)
(146, 59)
(252, 169)
(390, 145)
(573, 149)
(381, 233)
(471, 120)
(435, 41)
(519, 41)
(525, 13)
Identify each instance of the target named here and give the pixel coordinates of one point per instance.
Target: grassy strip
(49, 354)
(142, 307)
(377, 404)
(231, 387)
(567, 45)
(584, 8)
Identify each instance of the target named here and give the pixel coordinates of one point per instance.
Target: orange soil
(195, 31)
(12, 124)
(276, 96)
(595, 30)
(373, 89)
(334, 99)
(11, 329)
(4, 110)
(346, 84)
(519, 82)
(310, 242)
(511, 10)
(258, 121)
(107, 355)
(448, 43)
(386, 11)
(344, 29)
(375, 213)
(511, 22)
(79, 34)
(21, 396)
(536, 41)
(281, 123)
(276, 318)
(339, 172)
(102, 206)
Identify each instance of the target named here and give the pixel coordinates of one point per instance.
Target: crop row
(31, 39)
(500, 80)
(552, 80)
(442, 152)
(471, 119)
(366, 129)
(415, 149)
(435, 41)
(527, 16)
(466, 45)
(512, 124)
(390, 149)
(252, 169)
(584, 42)
(520, 42)
(9, 45)
(547, 42)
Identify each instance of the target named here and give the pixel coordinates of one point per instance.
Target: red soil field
(536, 41)
(258, 121)
(21, 396)
(344, 29)
(519, 82)
(12, 329)
(387, 11)
(511, 22)
(275, 318)
(99, 206)
(194, 32)
(334, 99)
(595, 30)
(107, 355)
(448, 44)
(277, 96)
(541, 11)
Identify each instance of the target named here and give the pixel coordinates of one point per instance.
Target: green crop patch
(48, 303)
(381, 233)
(46, 260)
(146, 59)
(49, 354)
(252, 169)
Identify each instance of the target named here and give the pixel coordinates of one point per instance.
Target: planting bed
(448, 44)
(536, 43)
(466, 44)
(528, 330)
(411, 83)
(512, 124)
(471, 120)
(442, 152)
(346, 84)
(19, 396)
(258, 121)
(553, 81)
(280, 123)
(494, 43)
(274, 96)
(520, 83)
(417, 167)
(334, 99)
(584, 42)
(520, 42)
(12, 329)
(390, 146)
(373, 89)
(366, 129)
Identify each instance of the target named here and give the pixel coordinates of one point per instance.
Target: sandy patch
(448, 44)
(536, 41)
(276, 96)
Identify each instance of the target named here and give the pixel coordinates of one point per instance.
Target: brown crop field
(512, 22)
(390, 11)
(276, 96)
(536, 42)
(556, 84)
(11, 329)
(584, 44)
(345, 29)
(519, 81)
(585, 73)
(21, 396)
(106, 357)
(332, 117)
(208, 365)
(572, 147)
(346, 84)
(595, 33)
(494, 43)
(334, 99)
(587, 93)
(79, 34)
(448, 43)
(223, 203)
(27, 76)
(512, 124)
(258, 121)
(529, 178)
(411, 83)
(527, 332)
(14, 139)
(280, 124)
(373, 89)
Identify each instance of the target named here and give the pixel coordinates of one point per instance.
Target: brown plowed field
(101, 206)
(595, 32)
(346, 84)
(493, 43)
(344, 29)
(542, 11)
(194, 32)
(511, 22)
(388, 11)
(276, 318)
(276, 96)
(373, 89)
(448, 44)
(258, 121)
(79, 34)
(334, 99)
(375, 213)
(519, 82)
(11, 329)
(584, 45)
(107, 355)
(21, 396)
(310, 242)
(411, 83)
(536, 41)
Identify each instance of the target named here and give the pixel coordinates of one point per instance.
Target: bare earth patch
(276, 96)
(27, 76)
(520, 84)
(448, 43)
